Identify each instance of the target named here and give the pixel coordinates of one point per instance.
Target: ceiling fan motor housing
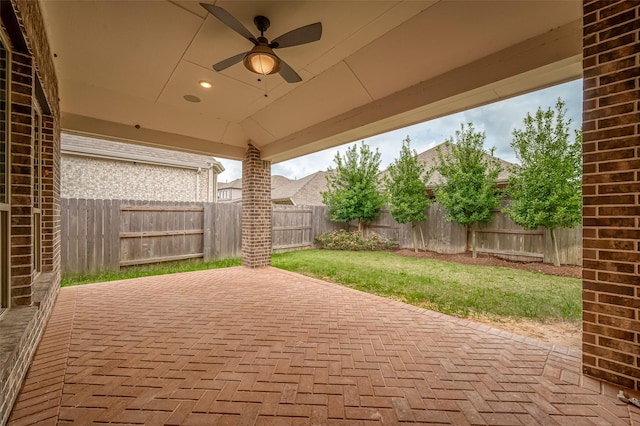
(262, 23)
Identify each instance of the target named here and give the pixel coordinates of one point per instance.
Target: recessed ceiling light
(191, 98)
(205, 84)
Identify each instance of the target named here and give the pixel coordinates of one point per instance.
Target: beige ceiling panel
(81, 100)
(227, 100)
(192, 6)
(384, 16)
(256, 133)
(127, 46)
(333, 92)
(235, 135)
(449, 35)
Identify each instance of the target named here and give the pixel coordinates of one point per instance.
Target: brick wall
(21, 178)
(611, 187)
(51, 194)
(256, 210)
(31, 302)
(98, 178)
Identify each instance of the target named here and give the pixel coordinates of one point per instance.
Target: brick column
(611, 187)
(256, 210)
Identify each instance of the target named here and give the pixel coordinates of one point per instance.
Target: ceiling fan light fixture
(262, 60)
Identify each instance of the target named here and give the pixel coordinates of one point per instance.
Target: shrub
(355, 241)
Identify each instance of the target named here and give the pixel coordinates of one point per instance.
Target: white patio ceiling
(380, 65)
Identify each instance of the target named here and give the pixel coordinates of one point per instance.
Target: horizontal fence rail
(100, 235)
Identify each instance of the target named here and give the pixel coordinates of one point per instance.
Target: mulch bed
(488, 260)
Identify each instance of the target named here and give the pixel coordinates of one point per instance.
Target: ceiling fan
(262, 59)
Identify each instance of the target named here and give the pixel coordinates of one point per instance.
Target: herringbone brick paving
(242, 346)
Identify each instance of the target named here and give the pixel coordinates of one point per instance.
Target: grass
(452, 288)
(147, 270)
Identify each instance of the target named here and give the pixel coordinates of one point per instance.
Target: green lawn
(146, 271)
(451, 288)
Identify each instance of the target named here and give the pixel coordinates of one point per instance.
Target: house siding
(98, 178)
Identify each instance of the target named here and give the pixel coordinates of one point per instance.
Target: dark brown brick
(619, 311)
(614, 333)
(620, 96)
(609, 133)
(628, 369)
(608, 353)
(608, 376)
(615, 8)
(614, 199)
(609, 244)
(624, 268)
(617, 278)
(619, 300)
(602, 284)
(619, 211)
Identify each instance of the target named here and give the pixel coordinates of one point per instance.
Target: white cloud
(497, 120)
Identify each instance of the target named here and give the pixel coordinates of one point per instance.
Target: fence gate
(160, 233)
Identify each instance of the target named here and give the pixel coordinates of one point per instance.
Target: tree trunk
(360, 227)
(473, 243)
(424, 246)
(414, 234)
(554, 241)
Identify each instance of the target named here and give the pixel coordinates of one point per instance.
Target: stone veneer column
(611, 192)
(256, 210)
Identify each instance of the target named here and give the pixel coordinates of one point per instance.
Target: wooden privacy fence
(108, 234)
(102, 235)
(501, 237)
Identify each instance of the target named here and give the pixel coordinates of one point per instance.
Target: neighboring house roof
(304, 191)
(276, 181)
(100, 148)
(237, 184)
(430, 158)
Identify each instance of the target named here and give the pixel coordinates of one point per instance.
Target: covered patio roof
(380, 65)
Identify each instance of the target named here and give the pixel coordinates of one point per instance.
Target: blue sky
(497, 120)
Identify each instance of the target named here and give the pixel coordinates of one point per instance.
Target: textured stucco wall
(96, 178)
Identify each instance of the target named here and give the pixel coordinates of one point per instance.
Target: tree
(353, 186)
(469, 192)
(546, 188)
(405, 186)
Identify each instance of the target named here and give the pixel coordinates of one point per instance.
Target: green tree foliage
(353, 186)
(546, 188)
(469, 192)
(405, 187)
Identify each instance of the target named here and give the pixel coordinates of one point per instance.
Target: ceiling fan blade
(302, 35)
(230, 21)
(229, 61)
(288, 73)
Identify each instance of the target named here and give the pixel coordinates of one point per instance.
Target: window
(5, 59)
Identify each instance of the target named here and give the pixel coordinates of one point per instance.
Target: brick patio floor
(241, 346)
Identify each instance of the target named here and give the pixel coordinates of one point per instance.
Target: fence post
(208, 234)
(114, 236)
